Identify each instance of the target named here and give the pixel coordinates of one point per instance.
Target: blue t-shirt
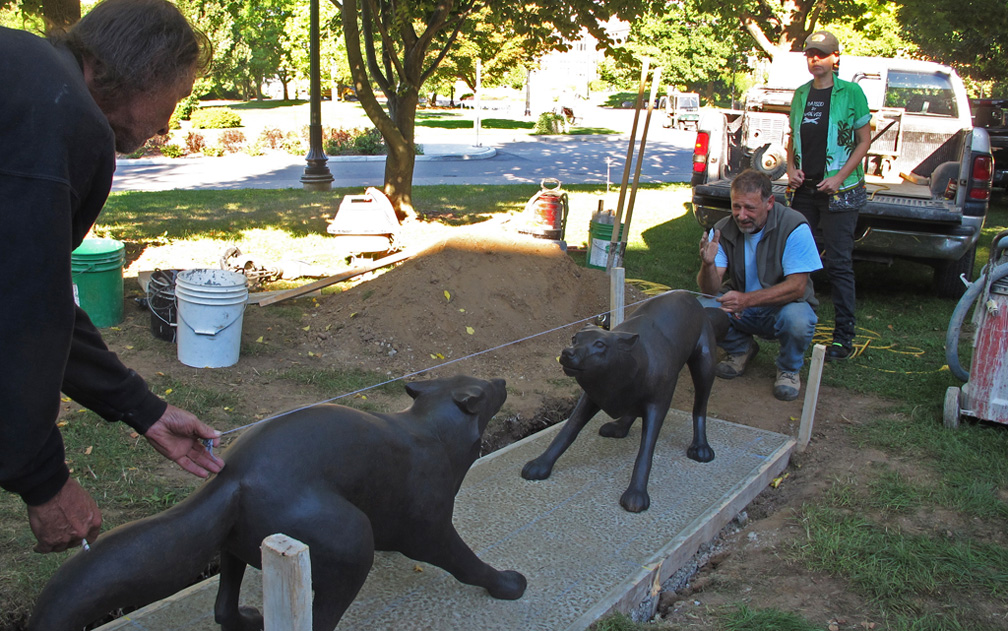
(800, 255)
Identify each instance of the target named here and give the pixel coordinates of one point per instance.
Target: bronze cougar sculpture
(631, 372)
(343, 481)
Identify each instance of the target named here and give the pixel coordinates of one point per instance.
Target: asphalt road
(451, 157)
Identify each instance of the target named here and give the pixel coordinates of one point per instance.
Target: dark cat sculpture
(631, 372)
(344, 482)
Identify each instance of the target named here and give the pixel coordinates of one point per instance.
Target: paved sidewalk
(582, 554)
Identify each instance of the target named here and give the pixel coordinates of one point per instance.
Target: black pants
(834, 235)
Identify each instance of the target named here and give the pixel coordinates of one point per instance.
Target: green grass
(458, 121)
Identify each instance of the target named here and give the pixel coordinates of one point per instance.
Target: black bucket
(161, 300)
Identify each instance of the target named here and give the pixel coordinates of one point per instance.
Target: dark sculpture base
(631, 372)
(342, 481)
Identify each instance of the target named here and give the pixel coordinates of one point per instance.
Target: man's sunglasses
(812, 53)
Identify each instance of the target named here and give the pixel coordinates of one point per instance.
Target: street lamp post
(317, 176)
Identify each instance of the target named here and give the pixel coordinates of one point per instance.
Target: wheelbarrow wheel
(950, 417)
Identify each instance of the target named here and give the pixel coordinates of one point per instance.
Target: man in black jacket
(109, 83)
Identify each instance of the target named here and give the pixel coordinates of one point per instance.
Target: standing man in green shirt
(830, 136)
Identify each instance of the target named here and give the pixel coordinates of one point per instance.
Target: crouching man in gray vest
(757, 262)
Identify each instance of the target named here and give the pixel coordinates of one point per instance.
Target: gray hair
(136, 46)
(751, 181)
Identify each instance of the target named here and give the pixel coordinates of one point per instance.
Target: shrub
(337, 142)
(369, 143)
(215, 118)
(212, 152)
(231, 140)
(270, 138)
(172, 151)
(186, 107)
(549, 123)
(292, 143)
(254, 149)
(195, 142)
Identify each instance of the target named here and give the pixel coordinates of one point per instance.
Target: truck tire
(770, 160)
(947, 283)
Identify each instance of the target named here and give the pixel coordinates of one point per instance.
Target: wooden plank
(811, 397)
(332, 280)
(287, 593)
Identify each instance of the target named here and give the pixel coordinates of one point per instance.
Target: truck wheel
(950, 415)
(770, 160)
(947, 283)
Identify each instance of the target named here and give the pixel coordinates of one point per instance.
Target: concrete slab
(582, 554)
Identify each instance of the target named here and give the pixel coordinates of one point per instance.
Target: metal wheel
(951, 413)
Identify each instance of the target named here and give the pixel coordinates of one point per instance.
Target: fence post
(287, 593)
(811, 397)
(617, 296)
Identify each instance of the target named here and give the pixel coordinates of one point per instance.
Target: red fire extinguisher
(546, 211)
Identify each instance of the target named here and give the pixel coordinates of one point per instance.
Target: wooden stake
(331, 280)
(287, 592)
(811, 397)
(617, 296)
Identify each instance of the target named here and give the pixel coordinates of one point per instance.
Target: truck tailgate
(883, 202)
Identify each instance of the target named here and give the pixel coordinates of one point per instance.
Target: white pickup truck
(928, 171)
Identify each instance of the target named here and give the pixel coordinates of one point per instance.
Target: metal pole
(317, 176)
(476, 99)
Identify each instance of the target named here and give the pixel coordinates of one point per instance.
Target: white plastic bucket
(211, 303)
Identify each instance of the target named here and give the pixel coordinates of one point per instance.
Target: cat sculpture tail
(140, 562)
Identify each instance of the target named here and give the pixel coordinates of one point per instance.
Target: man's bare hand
(733, 301)
(709, 249)
(65, 520)
(178, 436)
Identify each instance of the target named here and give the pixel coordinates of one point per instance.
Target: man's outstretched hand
(178, 436)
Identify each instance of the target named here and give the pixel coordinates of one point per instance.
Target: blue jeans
(793, 325)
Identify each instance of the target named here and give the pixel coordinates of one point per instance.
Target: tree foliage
(971, 35)
(697, 51)
(398, 45)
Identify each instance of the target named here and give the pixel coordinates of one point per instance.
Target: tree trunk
(61, 12)
(401, 154)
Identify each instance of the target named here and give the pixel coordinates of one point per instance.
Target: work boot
(734, 365)
(787, 385)
(839, 350)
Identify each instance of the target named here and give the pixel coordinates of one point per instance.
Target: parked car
(929, 170)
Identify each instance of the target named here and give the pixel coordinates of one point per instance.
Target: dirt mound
(471, 300)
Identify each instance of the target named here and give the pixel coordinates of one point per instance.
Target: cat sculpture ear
(416, 388)
(626, 341)
(468, 399)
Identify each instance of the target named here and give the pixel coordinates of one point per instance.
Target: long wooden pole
(330, 280)
(625, 230)
(626, 165)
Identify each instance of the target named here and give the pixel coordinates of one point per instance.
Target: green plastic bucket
(599, 239)
(96, 266)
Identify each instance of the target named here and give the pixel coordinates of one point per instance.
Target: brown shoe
(735, 365)
(787, 385)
